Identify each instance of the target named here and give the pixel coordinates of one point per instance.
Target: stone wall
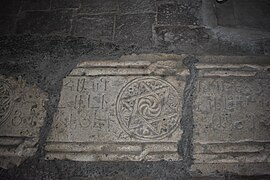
(71, 71)
(162, 25)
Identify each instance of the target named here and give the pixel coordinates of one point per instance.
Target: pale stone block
(22, 113)
(231, 115)
(120, 110)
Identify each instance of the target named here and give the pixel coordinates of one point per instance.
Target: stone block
(10, 7)
(45, 22)
(55, 4)
(231, 116)
(120, 110)
(225, 14)
(137, 6)
(180, 36)
(22, 114)
(173, 14)
(252, 14)
(36, 5)
(7, 24)
(94, 27)
(134, 29)
(98, 7)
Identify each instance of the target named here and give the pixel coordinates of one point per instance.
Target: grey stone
(266, 46)
(244, 14)
(125, 110)
(22, 114)
(208, 14)
(45, 22)
(173, 14)
(137, 6)
(86, 26)
(252, 14)
(231, 116)
(7, 24)
(55, 4)
(180, 36)
(10, 7)
(225, 14)
(98, 7)
(36, 5)
(134, 29)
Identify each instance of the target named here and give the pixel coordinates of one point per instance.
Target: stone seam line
(185, 144)
(51, 106)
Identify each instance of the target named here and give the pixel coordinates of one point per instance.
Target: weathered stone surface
(45, 22)
(244, 13)
(252, 14)
(98, 7)
(21, 115)
(36, 5)
(231, 116)
(86, 26)
(10, 7)
(171, 14)
(225, 14)
(124, 110)
(134, 29)
(7, 24)
(55, 4)
(137, 6)
(179, 37)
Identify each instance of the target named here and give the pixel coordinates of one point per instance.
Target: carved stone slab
(22, 114)
(232, 116)
(123, 110)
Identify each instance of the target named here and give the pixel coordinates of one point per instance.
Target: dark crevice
(185, 144)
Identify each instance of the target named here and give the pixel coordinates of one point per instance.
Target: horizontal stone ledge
(114, 64)
(232, 66)
(229, 148)
(217, 61)
(112, 151)
(227, 158)
(132, 66)
(11, 140)
(111, 147)
(226, 73)
(171, 156)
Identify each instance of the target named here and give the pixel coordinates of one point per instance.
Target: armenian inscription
(233, 109)
(109, 117)
(21, 115)
(232, 120)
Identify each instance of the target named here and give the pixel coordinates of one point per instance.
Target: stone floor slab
(232, 116)
(22, 114)
(121, 110)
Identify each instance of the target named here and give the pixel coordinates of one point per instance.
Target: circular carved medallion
(6, 102)
(148, 108)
